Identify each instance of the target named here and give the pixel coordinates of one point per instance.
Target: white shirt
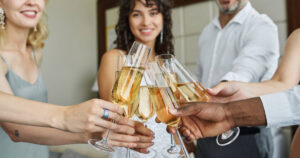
(283, 108)
(246, 49)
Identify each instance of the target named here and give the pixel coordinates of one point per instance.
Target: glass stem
(106, 135)
(128, 153)
(173, 144)
(186, 153)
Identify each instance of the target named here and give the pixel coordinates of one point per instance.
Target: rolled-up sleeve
(283, 108)
(258, 55)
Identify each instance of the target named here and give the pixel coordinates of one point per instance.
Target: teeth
(29, 13)
(146, 30)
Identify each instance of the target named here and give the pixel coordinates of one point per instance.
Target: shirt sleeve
(259, 53)
(283, 108)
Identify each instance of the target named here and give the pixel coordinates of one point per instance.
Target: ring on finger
(106, 114)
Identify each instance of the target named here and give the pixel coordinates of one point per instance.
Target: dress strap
(34, 56)
(4, 61)
(121, 52)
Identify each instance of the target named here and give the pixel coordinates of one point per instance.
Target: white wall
(70, 55)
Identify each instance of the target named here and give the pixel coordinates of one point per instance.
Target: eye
(153, 13)
(135, 14)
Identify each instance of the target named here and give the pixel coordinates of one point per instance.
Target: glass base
(228, 137)
(100, 145)
(151, 154)
(172, 152)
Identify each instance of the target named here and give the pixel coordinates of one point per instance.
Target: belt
(249, 130)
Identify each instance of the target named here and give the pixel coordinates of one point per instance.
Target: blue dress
(24, 89)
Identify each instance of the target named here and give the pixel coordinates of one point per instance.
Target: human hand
(87, 117)
(201, 120)
(139, 141)
(231, 91)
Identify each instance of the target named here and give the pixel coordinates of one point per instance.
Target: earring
(35, 29)
(2, 18)
(161, 35)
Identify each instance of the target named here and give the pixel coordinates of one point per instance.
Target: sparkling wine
(127, 85)
(163, 100)
(145, 108)
(192, 92)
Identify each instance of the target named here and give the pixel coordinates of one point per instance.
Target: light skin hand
(139, 141)
(230, 91)
(87, 117)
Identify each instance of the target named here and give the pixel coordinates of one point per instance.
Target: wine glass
(188, 89)
(163, 100)
(172, 150)
(126, 86)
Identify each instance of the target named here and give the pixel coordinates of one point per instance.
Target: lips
(29, 13)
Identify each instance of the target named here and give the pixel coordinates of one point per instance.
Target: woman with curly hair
(147, 22)
(22, 35)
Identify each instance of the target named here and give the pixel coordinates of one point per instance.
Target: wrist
(228, 108)
(58, 118)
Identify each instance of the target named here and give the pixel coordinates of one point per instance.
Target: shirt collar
(238, 18)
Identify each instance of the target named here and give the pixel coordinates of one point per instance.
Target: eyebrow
(152, 9)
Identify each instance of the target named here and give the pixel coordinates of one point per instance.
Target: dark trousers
(253, 145)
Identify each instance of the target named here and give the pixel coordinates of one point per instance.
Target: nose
(146, 20)
(31, 2)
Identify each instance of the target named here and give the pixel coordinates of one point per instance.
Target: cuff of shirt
(277, 110)
(231, 76)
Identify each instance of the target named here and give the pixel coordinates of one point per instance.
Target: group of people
(238, 46)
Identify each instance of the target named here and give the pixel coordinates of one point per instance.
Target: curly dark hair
(125, 37)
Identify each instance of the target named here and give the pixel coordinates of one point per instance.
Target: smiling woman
(148, 22)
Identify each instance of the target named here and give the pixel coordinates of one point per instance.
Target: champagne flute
(145, 111)
(164, 100)
(127, 84)
(102, 144)
(163, 60)
(190, 90)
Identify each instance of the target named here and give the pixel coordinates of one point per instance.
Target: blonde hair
(35, 38)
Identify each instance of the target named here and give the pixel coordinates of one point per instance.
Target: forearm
(267, 87)
(19, 110)
(248, 112)
(42, 135)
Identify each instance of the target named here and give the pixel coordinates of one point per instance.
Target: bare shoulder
(112, 54)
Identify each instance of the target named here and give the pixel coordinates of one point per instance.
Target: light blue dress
(24, 89)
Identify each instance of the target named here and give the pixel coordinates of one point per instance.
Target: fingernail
(133, 145)
(153, 137)
(152, 133)
(137, 139)
(173, 111)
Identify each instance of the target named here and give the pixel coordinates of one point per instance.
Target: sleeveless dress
(161, 141)
(24, 89)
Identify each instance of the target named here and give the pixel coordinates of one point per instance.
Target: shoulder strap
(121, 52)
(34, 56)
(4, 61)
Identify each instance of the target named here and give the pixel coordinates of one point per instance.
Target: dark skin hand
(200, 120)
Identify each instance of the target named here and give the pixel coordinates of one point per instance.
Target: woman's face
(145, 23)
(23, 13)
